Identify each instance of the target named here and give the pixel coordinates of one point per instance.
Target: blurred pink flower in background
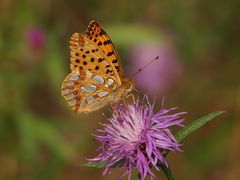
(163, 74)
(35, 38)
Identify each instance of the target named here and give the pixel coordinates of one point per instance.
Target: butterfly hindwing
(97, 35)
(87, 91)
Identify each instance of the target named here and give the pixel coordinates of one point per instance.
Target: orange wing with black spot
(97, 35)
(86, 55)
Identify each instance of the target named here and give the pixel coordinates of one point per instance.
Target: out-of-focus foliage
(40, 136)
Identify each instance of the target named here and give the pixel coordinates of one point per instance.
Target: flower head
(137, 137)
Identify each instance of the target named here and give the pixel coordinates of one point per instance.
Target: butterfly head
(128, 85)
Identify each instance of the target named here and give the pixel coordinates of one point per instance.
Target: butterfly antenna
(145, 66)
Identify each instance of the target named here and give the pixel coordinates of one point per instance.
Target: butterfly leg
(131, 95)
(125, 103)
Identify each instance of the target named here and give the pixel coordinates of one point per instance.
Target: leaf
(94, 164)
(196, 125)
(97, 165)
(181, 135)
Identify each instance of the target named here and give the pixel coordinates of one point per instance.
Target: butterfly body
(96, 77)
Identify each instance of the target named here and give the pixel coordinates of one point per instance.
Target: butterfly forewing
(97, 35)
(87, 55)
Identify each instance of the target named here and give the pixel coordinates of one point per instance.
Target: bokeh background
(198, 71)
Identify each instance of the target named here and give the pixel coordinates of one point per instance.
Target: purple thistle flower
(137, 137)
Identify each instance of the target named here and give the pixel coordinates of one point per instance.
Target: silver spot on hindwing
(89, 88)
(103, 93)
(70, 95)
(73, 102)
(90, 99)
(110, 82)
(98, 79)
(83, 104)
(74, 77)
(96, 103)
(66, 91)
(69, 83)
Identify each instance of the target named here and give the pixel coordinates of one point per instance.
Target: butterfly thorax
(121, 92)
(127, 86)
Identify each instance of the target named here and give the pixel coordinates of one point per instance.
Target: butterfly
(96, 77)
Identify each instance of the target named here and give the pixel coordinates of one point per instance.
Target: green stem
(167, 171)
(138, 176)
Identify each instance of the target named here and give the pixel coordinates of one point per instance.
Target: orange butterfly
(96, 77)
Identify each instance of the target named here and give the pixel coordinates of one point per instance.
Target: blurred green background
(198, 44)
